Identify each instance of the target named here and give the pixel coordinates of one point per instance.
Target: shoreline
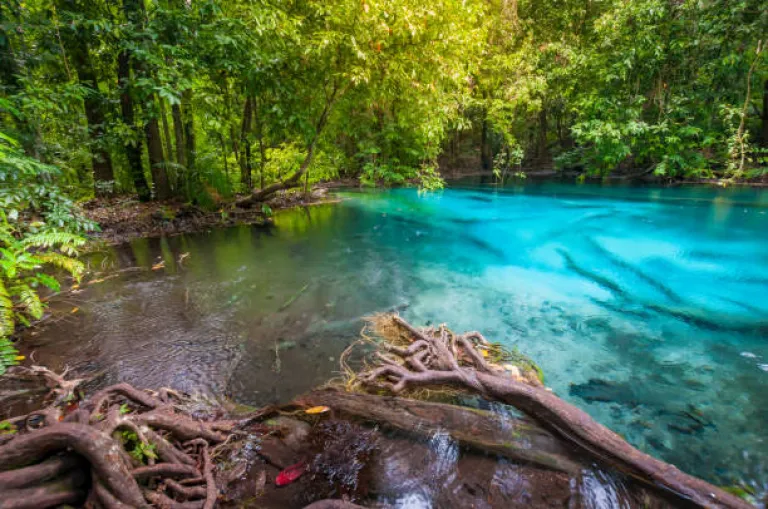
(123, 218)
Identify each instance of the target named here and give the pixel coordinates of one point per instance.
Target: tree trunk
(224, 151)
(9, 66)
(156, 159)
(132, 150)
(93, 102)
(188, 119)
(178, 134)
(486, 161)
(246, 166)
(168, 147)
(262, 148)
(541, 143)
(765, 115)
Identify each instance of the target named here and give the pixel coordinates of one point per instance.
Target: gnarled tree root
(122, 448)
(437, 357)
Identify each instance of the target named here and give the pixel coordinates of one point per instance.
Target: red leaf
(290, 474)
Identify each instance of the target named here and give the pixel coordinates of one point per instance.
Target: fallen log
(411, 358)
(517, 439)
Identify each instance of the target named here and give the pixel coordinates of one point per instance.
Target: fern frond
(28, 300)
(67, 242)
(71, 265)
(48, 281)
(8, 354)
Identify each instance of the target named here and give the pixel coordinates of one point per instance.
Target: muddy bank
(124, 218)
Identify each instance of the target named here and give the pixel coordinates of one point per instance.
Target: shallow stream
(646, 307)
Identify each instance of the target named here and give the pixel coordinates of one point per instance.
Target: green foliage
(6, 428)
(222, 96)
(141, 451)
(39, 229)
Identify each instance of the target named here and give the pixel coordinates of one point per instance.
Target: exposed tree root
(411, 358)
(136, 445)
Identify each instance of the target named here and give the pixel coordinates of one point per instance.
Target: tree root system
(409, 359)
(121, 448)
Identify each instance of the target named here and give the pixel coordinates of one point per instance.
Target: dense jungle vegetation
(203, 100)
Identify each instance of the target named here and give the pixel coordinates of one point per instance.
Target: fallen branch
(437, 357)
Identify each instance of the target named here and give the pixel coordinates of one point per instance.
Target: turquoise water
(646, 307)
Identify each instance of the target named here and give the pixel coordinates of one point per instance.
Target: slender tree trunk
(166, 131)
(541, 143)
(188, 121)
(765, 115)
(94, 103)
(486, 161)
(132, 150)
(178, 134)
(262, 148)
(246, 166)
(224, 151)
(9, 66)
(156, 159)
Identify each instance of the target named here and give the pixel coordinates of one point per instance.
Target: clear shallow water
(646, 307)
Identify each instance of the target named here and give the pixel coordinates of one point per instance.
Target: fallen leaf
(484, 353)
(158, 266)
(317, 410)
(19, 358)
(290, 474)
(75, 310)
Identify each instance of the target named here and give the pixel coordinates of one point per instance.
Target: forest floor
(123, 218)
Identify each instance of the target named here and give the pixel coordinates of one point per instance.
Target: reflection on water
(646, 307)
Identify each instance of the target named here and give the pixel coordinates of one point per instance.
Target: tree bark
(132, 148)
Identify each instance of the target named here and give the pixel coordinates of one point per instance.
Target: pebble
(764, 367)
(748, 355)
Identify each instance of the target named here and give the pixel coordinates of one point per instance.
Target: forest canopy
(205, 99)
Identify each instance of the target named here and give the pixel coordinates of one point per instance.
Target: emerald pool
(645, 306)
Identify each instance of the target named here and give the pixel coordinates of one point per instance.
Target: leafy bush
(40, 233)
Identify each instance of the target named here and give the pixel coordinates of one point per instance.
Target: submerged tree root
(138, 447)
(411, 359)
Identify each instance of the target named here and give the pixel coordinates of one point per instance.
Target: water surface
(646, 307)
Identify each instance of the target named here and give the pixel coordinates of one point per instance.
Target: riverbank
(124, 218)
